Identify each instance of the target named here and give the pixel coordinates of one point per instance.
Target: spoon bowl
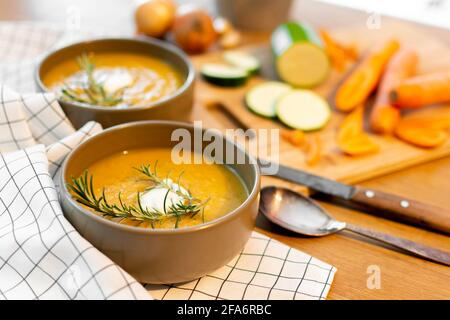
(297, 213)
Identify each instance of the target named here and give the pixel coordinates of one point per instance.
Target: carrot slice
(441, 122)
(351, 138)
(311, 146)
(420, 137)
(422, 90)
(294, 137)
(428, 132)
(359, 145)
(338, 53)
(313, 151)
(352, 125)
(363, 80)
(384, 117)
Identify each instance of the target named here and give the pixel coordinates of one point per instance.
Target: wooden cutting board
(394, 155)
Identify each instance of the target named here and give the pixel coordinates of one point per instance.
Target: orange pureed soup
(139, 79)
(216, 188)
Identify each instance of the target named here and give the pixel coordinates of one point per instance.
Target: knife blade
(317, 183)
(392, 206)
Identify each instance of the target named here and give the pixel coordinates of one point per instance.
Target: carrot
(359, 146)
(338, 53)
(311, 146)
(384, 117)
(435, 122)
(352, 139)
(352, 125)
(422, 90)
(425, 138)
(313, 151)
(425, 132)
(349, 51)
(294, 137)
(363, 80)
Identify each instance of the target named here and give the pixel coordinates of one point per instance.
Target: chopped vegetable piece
(224, 75)
(243, 60)
(313, 150)
(352, 139)
(303, 109)
(339, 54)
(262, 98)
(359, 145)
(422, 90)
(384, 117)
(423, 132)
(363, 80)
(295, 137)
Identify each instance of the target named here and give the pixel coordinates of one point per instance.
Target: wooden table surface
(401, 276)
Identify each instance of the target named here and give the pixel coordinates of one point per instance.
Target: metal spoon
(300, 214)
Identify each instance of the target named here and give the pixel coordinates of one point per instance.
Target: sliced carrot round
(313, 151)
(427, 122)
(358, 145)
(295, 137)
(351, 126)
(421, 137)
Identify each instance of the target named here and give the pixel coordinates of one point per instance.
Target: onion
(230, 39)
(194, 30)
(155, 17)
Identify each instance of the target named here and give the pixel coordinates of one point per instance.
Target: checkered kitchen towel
(42, 256)
(265, 270)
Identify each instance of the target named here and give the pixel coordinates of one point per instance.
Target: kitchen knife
(400, 208)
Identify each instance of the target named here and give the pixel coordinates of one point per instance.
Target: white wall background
(431, 12)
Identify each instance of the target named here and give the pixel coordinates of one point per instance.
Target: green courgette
(300, 59)
(224, 75)
(243, 60)
(303, 109)
(262, 98)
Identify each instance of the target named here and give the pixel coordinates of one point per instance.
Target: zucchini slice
(243, 60)
(224, 75)
(300, 59)
(262, 98)
(303, 109)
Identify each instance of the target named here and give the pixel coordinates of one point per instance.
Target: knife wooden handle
(414, 212)
(415, 248)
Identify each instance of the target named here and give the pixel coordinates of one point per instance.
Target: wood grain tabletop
(366, 270)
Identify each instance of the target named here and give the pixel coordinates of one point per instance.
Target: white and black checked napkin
(265, 270)
(41, 254)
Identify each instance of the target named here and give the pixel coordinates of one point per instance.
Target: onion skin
(155, 17)
(194, 31)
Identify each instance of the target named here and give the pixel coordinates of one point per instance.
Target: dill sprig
(84, 193)
(92, 92)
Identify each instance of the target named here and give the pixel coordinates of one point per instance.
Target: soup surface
(217, 184)
(127, 79)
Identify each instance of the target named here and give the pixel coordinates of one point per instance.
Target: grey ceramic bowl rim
(210, 224)
(164, 45)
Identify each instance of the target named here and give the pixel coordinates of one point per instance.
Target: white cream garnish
(117, 80)
(154, 199)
